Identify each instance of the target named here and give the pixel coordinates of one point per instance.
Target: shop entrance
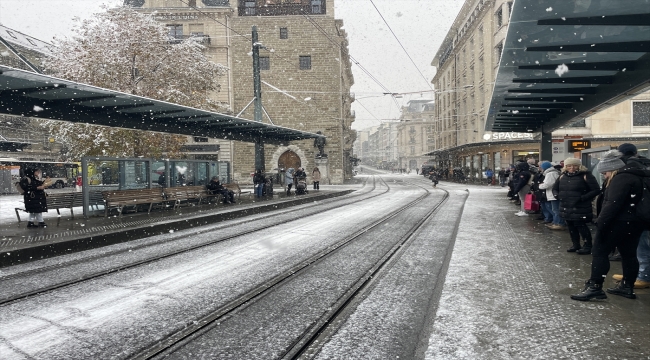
(524, 155)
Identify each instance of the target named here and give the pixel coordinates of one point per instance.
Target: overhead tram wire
(400, 44)
(354, 61)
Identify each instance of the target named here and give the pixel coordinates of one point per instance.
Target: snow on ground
(506, 294)
(114, 315)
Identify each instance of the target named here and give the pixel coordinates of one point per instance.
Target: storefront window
(497, 161)
(476, 167)
(523, 155)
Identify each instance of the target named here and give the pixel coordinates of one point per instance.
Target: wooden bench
(67, 201)
(178, 194)
(234, 187)
(120, 199)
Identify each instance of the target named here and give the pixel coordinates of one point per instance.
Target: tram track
(316, 331)
(336, 203)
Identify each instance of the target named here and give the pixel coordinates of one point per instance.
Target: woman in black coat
(34, 196)
(575, 189)
(618, 226)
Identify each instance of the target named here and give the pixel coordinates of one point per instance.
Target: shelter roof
(565, 60)
(40, 96)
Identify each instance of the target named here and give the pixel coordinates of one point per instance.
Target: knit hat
(545, 165)
(611, 161)
(627, 149)
(572, 161)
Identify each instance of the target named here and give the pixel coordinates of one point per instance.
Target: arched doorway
(289, 159)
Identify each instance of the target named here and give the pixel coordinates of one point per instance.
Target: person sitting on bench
(215, 187)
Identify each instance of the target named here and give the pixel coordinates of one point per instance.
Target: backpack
(19, 187)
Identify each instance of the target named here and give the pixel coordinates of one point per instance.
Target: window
(499, 17)
(305, 62)
(200, 139)
(641, 113)
(265, 63)
(284, 33)
(412, 150)
(316, 6)
(577, 124)
(175, 31)
(499, 49)
(509, 7)
(191, 3)
(249, 8)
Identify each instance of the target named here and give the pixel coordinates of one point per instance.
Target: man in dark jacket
(522, 185)
(618, 225)
(575, 189)
(643, 250)
(215, 187)
(259, 180)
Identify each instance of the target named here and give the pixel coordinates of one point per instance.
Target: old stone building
(466, 66)
(415, 133)
(305, 73)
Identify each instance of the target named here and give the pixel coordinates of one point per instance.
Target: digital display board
(579, 145)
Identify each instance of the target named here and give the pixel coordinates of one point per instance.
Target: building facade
(467, 63)
(305, 74)
(415, 136)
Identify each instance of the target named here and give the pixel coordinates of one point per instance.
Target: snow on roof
(17, 38)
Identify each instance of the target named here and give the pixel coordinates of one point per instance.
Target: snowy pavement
(506, 294)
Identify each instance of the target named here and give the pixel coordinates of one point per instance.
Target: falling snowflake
(561, 70)
(38, 108)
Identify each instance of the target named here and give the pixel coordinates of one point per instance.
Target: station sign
(578, 145)
(508, 136)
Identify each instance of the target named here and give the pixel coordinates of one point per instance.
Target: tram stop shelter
(564, 60)
(35, 95)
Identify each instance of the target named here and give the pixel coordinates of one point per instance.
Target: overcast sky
(420, 25)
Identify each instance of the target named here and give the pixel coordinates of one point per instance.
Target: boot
(42, 224)
(31, 224)
(586, 249)
(591, 291)
(574, 248)
(623, 289)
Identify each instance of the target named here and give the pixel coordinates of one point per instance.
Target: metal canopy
(40, 96)
(604, 45)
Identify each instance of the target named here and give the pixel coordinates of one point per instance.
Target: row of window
(304, 62)
(175, 31)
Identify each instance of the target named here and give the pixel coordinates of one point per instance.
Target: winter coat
(259, 178)
(522, 178)
(575, 192)
(315, 175)
(622, 195)
(489, 174)
(550, 177)
(35, 199)
(215, 187)
(288, 177)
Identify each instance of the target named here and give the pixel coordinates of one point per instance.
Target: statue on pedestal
(320, 144)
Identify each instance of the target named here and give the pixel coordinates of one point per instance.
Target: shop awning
(40, 96)
(566, 60)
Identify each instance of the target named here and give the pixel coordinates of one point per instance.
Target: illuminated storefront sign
(508, 136)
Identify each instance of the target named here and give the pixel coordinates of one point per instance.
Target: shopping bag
(530, 203)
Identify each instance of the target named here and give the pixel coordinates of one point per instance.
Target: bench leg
(17, 214)
(58, 212)
(72, 213)
(150, 205)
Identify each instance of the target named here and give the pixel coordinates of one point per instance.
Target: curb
(45, 251)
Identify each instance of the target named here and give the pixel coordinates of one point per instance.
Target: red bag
(530, 203)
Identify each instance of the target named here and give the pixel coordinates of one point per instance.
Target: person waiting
(259, 180)
(215, 187)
